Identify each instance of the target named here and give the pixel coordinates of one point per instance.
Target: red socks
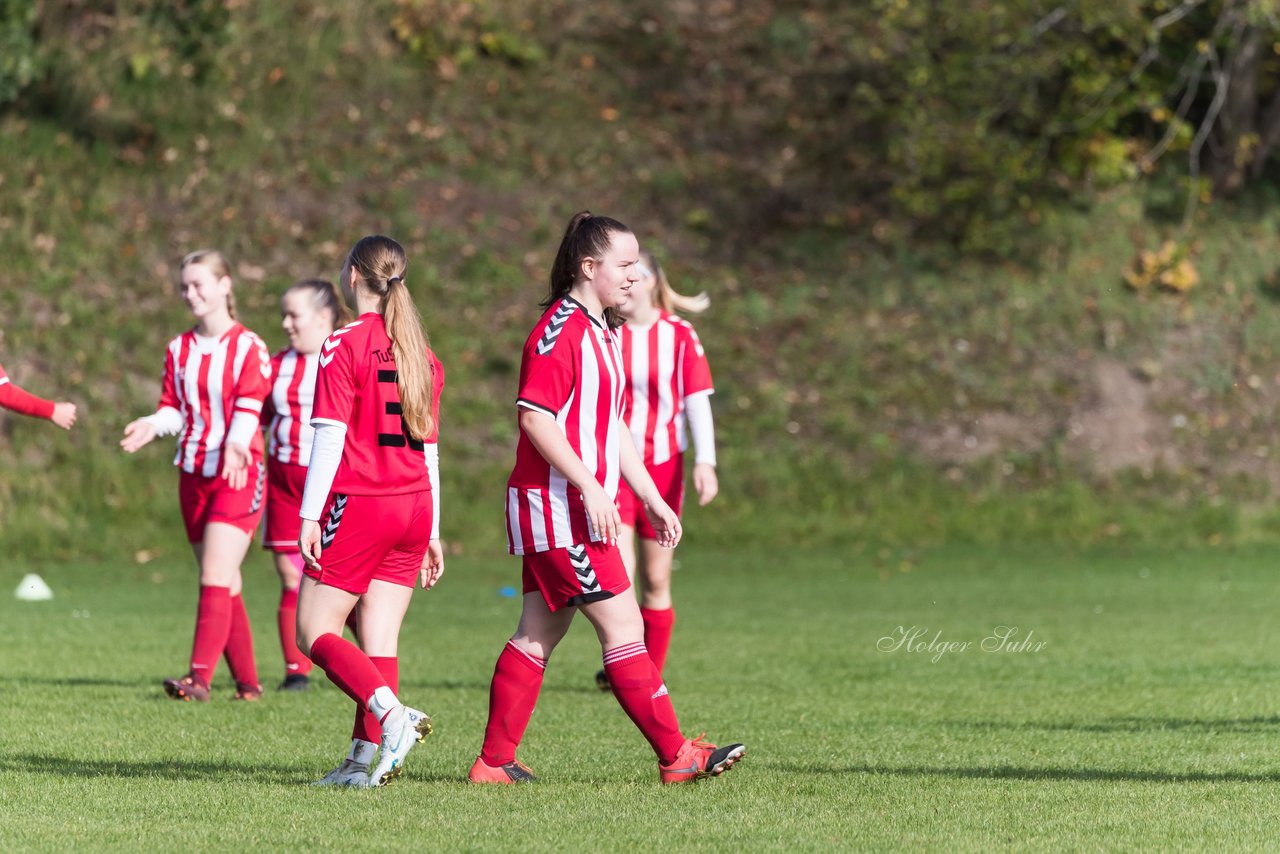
(517, 679)
(367, 727)
(347, 667)
(638, 686)
(287, 621)
(239, 649)
(213, 625)
(657, 633)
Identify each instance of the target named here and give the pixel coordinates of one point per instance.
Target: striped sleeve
(253, 382)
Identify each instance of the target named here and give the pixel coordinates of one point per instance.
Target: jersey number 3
(397, 440)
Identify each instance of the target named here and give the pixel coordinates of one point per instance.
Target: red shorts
(669, 478)
(575, 575)
(210, 499)
(365, 538)
(281, 523)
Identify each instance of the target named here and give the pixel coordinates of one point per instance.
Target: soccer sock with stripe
(353, 672)
(213, 624)
(517, 680)
(366, 726)
(239, 648)
(287, 623)
(636, 683)
(657, 633)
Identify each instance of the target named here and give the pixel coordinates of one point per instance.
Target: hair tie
(391, 281)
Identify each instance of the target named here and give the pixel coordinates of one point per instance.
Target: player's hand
(309, 543)
(136, 434)
(705, 483)
(665, 522)
(432, 565)
(64, 415)
(235, 465)
(603, 514)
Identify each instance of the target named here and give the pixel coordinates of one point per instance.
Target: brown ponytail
(381, 264)
(587, 236)
(217, 264)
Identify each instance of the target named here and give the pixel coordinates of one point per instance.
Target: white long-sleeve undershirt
(433, 472)
(167, 421)
(697, 410)
(243, 426)
(326, 454)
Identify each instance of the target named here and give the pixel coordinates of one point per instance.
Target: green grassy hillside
(863, 396)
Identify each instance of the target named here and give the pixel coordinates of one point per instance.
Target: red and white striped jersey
(209, 380)
(571, 370)
(357, 387)
(665, 364)
(287, 412)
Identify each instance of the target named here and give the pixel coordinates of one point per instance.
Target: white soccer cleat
(403, 728)
(349, 773)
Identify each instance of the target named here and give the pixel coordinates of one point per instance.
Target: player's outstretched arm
(64, 415)
(137, 434)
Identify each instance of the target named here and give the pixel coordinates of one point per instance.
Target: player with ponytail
(668, 385)
(310, 310)
(573, 450)
(371, 508)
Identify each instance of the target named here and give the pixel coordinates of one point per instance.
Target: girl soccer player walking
(25, 403)
(310, 310)
(668, 384)
(561, 517)
(215, 379)
(370, 508)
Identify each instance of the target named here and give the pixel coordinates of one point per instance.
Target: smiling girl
(215, 379)
(310, 310)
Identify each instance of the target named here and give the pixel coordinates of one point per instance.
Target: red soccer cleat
(247, 693)
(512, 772)
(187, 688)
(698, 759)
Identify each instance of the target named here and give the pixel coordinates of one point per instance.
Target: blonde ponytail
(381, 264)
(667, 298)
(413, 373)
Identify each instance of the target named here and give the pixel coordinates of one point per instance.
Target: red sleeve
(12, 397)
(695, 372)
(254, 383)
(546, 380)
(269, 402)
(169, 385)
(335, 383)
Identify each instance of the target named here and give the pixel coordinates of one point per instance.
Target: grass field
(1147, 720)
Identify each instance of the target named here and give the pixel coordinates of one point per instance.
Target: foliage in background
(287, 130)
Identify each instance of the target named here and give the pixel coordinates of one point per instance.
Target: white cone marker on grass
(33, 589)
